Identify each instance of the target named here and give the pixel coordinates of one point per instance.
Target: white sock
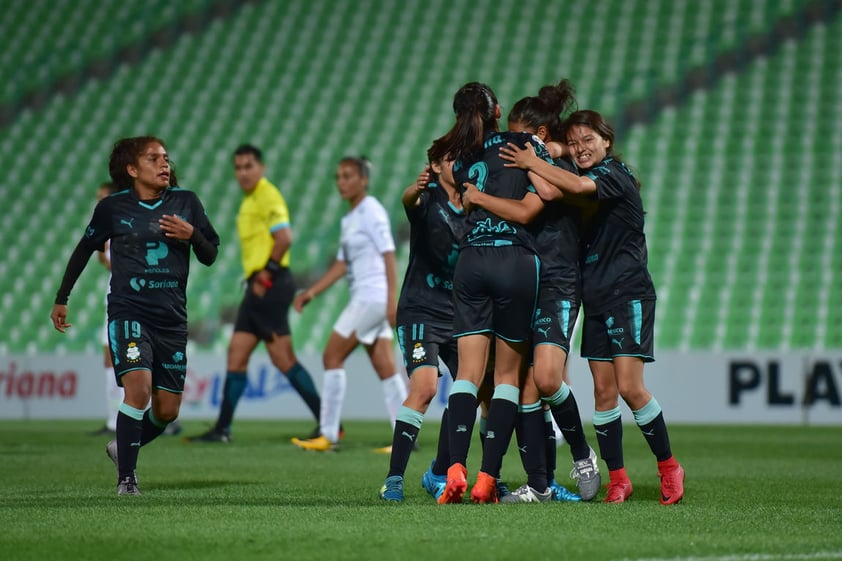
(394, 394)
(113, 398)
(333, 395)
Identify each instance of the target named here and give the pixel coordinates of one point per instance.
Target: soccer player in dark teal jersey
(425, 312)
(557, 241)
(618, 297)
(495, 291)
(152, 227)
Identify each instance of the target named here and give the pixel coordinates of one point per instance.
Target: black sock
(150, 430)
(235, 385)
(442, 461)
(567, 417)
(656, 436)
(610, 439)
(550, 445)
(462, 412)
(402, 443)
(531, 440)
(129, 433)
(301, 380)
(502, 414)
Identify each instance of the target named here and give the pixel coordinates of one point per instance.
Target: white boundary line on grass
(749, 557)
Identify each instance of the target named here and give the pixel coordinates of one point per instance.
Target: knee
(636, 396)
(546, 383)
(605, 396)
(165, 412)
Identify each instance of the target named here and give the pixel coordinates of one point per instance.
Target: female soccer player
(618, 297)
(151, 226)
(367, 256)
(495, 292)
(556, 228)
(425, 308)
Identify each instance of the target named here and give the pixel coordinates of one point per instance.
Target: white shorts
(366, 320)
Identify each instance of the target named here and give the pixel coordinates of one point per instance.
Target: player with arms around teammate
(495, 288)
(556, 227)
(618, 297)
(152, 228)
(425, 308)
(263, 225)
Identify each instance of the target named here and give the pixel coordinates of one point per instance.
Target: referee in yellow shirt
(265, 237)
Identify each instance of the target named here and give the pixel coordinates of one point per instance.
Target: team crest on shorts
(133, 352)
(418, 353)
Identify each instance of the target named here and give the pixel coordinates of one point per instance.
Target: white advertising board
(692, 387)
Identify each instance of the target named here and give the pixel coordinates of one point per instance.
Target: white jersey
(366, 236)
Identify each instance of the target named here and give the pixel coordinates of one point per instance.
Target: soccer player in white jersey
(367, 257)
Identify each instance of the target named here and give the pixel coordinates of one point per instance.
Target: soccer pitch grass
(752, 494)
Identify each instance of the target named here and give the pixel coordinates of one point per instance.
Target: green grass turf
(752, 493)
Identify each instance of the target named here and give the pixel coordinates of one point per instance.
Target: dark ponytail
(475, 106)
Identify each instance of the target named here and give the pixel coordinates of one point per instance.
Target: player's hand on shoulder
(517, 157)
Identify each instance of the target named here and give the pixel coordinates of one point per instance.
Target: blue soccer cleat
(392, 489)
(434, 484)
(563, 494)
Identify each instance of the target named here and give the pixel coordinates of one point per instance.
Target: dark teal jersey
(557, 242)
(615, 266)
(148, 270)
(488, 172)
(436, 228)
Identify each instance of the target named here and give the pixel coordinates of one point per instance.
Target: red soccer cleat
(457, 484)
(485, 489)
(672, 483)
(618, 491)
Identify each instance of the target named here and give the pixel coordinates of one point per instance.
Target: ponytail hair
(475, 106)
(546, 109)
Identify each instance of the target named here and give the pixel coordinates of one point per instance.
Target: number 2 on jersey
(479, 173)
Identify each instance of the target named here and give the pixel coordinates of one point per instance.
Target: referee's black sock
(235, 385)
(302, 381)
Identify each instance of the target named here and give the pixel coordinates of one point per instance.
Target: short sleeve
(380, 230)
(277, 212)
(612, 180)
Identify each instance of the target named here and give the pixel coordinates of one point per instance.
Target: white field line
(748, 557)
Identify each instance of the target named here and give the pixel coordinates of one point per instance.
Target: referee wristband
(273, 267)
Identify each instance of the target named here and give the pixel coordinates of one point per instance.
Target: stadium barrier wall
(692, 387)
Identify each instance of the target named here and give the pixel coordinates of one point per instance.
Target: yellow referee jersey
(262, 212)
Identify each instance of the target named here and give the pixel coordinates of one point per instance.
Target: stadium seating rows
(741, 215)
